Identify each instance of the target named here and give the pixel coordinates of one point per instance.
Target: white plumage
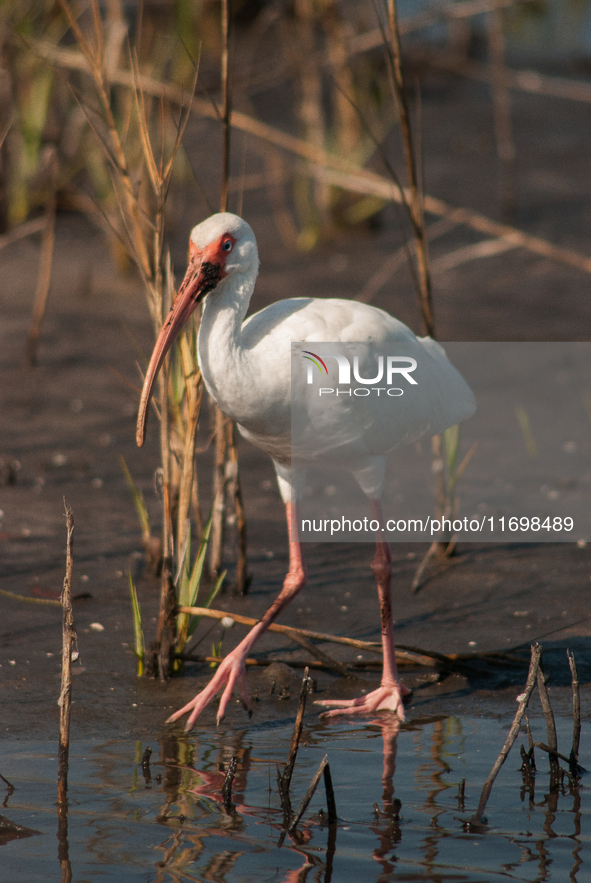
(246, 366)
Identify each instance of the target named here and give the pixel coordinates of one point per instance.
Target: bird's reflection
(386, 827)
(196, 809)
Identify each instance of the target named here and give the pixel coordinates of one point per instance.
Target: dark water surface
(408, 826)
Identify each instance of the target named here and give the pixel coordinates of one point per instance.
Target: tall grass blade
(138, 500)
(139, 647)
(528, 436)
(195, 620)
(189, 590)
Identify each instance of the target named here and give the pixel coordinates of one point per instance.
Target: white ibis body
(246, 367)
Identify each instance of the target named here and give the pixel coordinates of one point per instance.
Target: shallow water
(174, 827)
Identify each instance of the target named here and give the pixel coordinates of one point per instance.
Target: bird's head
(222, 246)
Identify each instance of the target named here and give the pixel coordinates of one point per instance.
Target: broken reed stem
(9, 789)
(310, 793)
(43, 280)
(146, 772)
(417, 581)
(523, 699)
(331, 805)
(530, 738)
(550, 722)
(285, 778)
(462, 795)
(69, 641)
(227, 786)
(574, 754)
(552, 752)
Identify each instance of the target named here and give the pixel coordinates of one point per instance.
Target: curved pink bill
(200, 278)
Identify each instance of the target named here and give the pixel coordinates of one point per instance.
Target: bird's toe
(385, 698)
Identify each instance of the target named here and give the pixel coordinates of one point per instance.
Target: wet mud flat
(64, 427)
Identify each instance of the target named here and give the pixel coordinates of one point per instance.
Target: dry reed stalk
(69, 641)
(417, 580)
(260, 662)
(275, 177)
(330, 663)
(336, 170)
(486, 248)
(376, 185)
(394, 261)
(522, 699)
(554, 756)
(95, 58)
(227, 786)
(350, 44)
(574, 753)
(43, 279)
(502, 113)
(28, 228)
(409, 655)
(284, 778)
(552, 747)
(9, 789)
(159, 661)
(413, 199)
(314, 211)
(323, 770)
(346, 119)
(414, 203)
(141, 219)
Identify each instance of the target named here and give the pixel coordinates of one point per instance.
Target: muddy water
(400, 813)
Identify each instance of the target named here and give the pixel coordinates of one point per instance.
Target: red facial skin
(206, 269)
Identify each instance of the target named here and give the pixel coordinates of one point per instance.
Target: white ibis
(246, 367)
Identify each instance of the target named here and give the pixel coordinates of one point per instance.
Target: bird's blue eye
(227, 246)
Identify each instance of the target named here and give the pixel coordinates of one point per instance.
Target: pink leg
(389, 695)
(232, 671)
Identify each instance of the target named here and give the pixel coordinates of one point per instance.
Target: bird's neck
(222, 359)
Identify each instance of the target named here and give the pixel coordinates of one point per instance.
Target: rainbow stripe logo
(316, 360)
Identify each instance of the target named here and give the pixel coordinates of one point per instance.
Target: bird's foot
(232, 673)
(390, 697)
